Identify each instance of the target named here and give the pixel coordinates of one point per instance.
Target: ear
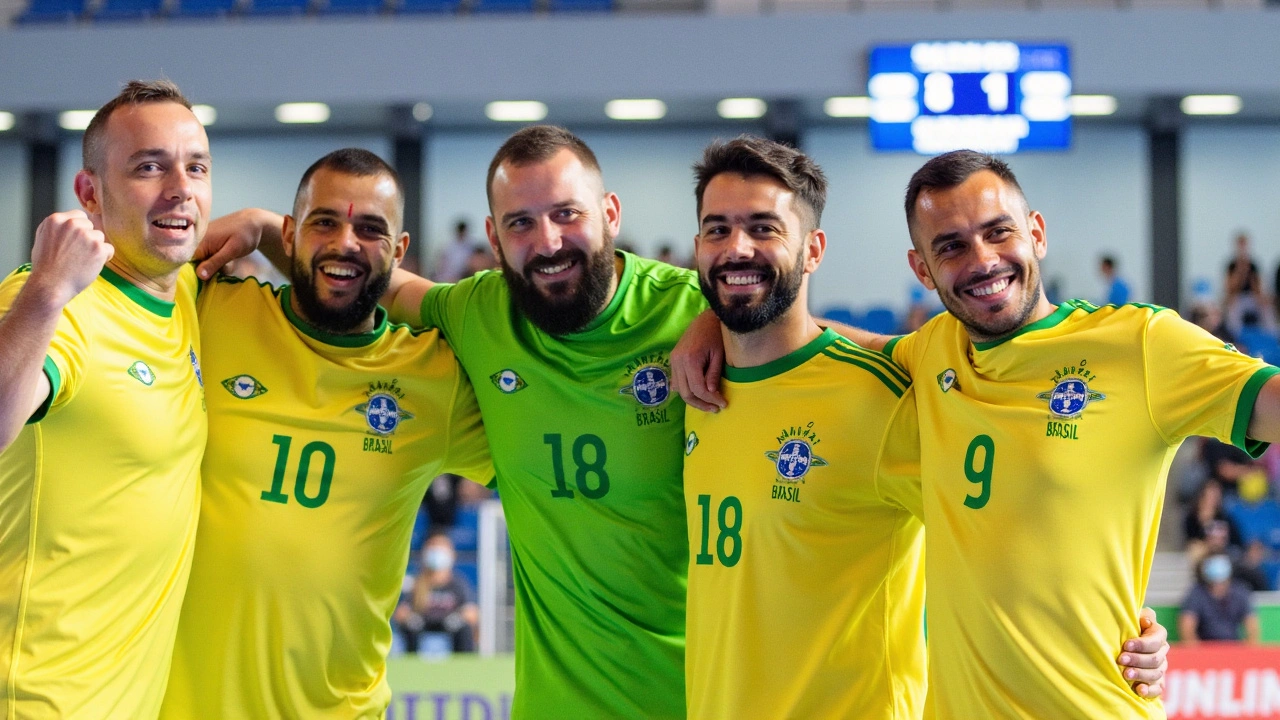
(89, 193)
(814, 250)
(401, 247)
(920, 269)
(613, 213)
(491, 232)
(287, 231)
(1039, 241)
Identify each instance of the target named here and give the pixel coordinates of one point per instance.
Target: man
(98, 347)
(1117, 290)
(1218, 607)
(806, 585)
(570, 345)
(454, 260)
(326, 426)
(1049, 435)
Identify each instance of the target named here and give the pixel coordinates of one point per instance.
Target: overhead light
(6, 121)
(741, 108)
(205, 114)
(515, 110)
(1092, 104)
(1211, 104)
(646, 109)
(302, 112)
(422, 112)
(75, 119)
(847, 107)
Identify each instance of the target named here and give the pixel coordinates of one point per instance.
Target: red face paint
(350, 208)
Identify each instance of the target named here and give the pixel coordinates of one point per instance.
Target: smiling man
(99, 361)
(1047, 434)
(326, 424)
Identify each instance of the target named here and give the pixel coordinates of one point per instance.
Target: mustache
(545, 261)
(766, 271)
(1015, 271)
(354, 259)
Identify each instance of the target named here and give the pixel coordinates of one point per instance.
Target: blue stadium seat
(581, 5)
(128, 10)
(421, 524)
(1260, 343)
(354, 7)
(429, 6)
(881, 320)
(1271, 568)
(841, 314)
(278, 7)
(203, 8)
(470, 572)
(45, 11)
(1257, 521)
(502, 6)
(465, 532)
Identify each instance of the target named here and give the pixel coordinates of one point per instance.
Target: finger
(1146, 677)
(715, 367)
(694, 402)
(214, 263)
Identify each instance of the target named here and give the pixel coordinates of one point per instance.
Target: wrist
(43, 297)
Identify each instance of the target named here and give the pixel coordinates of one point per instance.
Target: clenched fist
(68, 255)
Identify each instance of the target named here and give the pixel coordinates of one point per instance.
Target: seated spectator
(1245, 305)
(481, 258)
(1217, 608)
(1208, 529)
(1226, 464)
(441, 601)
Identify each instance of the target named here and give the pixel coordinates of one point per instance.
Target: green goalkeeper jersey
(586, 434)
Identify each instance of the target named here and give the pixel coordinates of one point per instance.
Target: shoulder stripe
(873, 356)
(894, 387)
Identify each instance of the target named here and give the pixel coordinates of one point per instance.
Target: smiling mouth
(742, 278)
(172, 223)
(990, 288)
(339, 271)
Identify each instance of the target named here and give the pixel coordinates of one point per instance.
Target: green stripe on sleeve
(55, 384)
(874, 356)
(1244, 411)
(897, 389)
(888, 347)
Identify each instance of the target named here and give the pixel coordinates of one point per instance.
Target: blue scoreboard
(991, 96)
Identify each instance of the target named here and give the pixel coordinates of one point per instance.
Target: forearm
(403, 298)
(25, 333)
(865, 338)
(271, 244)
(1252, 630)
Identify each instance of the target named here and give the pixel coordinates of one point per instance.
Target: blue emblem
(195, 364)
(1070, 397)
(794, 459)
(650, 386)
(382, 414)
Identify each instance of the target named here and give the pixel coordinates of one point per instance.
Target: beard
(337, 320)
(564, 307)
(1003, 319)
(739, 314)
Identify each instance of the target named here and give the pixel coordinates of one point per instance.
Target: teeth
(555, 268)
(344, 272)
(742, 279)
(171, 223)
(991, 289)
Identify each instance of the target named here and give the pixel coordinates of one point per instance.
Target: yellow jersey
(806, 586)
(321, 448)
(101, 496)
(1044, 457)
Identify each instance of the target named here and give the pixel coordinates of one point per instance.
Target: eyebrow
(753, 216)
(508, 217)
(363, 217)
(161, 153)
(948, 237)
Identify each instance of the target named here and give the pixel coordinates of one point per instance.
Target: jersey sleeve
(444, 307)
(905, 350)
(1197, 385)
(64, 361)
(468, 453)
(898, 465)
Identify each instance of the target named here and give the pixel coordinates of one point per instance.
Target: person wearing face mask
(1217, 607)
(441, 600)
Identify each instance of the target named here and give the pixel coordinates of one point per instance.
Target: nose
(739, 245)
(987, 254)
(179, 185)
(347, 240)
(546, 238)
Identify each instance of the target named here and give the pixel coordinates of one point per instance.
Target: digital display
(992, 96)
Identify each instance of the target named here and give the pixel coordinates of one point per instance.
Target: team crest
(508, 381)
(383, 411)
(244, 386)
(141, 372)
(650, 386)
(795, 457)
(195, 365)
(1069, 398)
(690, 443)
(947, 379)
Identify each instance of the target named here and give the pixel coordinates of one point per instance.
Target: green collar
(791, 360)
(628, 272)
(142, 298)
(328, 338)
(1048, 321)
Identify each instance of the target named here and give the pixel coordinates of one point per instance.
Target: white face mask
(1217, 568)
(437, 558)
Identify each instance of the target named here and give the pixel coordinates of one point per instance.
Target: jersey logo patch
(795, 457)
(244, 386)
(690, 443)
(947, 380)
(650, 386)
(195, 365)
(508, 381)
(141, 372)
(383, 412)
(1069, 398)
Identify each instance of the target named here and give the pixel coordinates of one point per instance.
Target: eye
(567, 214)
(198, 169)
(520, 223)
(149, 167)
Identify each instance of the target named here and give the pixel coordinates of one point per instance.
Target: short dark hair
(535, 144)
(754, 156)
(135, 92)
(351, 161)
(951, 169)
(1108, 261)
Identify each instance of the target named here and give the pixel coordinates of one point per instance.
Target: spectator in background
(1245, 306)
(667, 255)
(1209, 316)
(441, 601)
(1208, 529)
(1217, 608)
(1226, 464)
(480, 259)
(453, 260)
(1117, 290)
